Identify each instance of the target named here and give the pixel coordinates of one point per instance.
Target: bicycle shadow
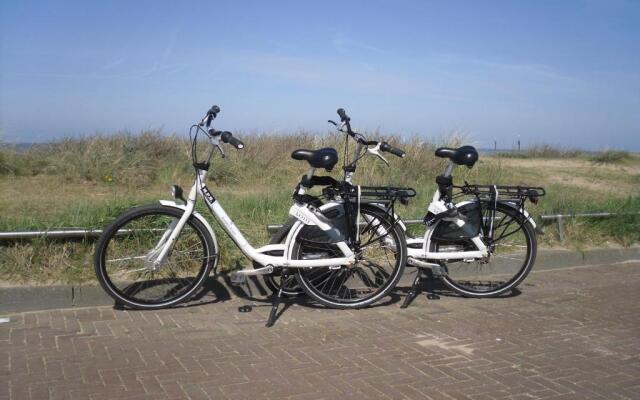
(431, 285)
(219, 288)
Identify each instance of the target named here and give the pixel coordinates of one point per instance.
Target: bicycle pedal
(433, 296)
(238, 279)
(244, 309)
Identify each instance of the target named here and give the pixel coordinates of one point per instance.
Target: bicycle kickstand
(414, 291)
(276, 302)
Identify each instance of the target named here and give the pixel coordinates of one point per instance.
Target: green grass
(87, 182)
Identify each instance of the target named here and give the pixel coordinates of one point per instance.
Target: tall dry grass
(544, 150)
(141, 160)
(88, 181)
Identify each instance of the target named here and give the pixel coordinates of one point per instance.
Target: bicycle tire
(484, 287)
(180, 283)
(329, 298)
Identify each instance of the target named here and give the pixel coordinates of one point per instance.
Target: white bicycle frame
(437, 206)
(424, 253)
(301, 212)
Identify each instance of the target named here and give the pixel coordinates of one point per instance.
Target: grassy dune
(87, 182)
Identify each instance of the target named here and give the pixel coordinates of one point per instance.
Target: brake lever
(222, 153)
(376, 152)
(216, 142)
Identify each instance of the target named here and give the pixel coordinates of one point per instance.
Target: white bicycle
(382, 198)
(159, 255)
(481, 247)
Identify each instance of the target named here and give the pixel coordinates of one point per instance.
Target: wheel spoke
(509, 261)
(374, 272)
(130, 276)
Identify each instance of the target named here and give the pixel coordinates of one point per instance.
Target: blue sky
(559, 72)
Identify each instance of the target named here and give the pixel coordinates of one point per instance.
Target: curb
(32, 298)
(555, 259)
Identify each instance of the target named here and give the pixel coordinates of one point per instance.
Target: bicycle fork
(165, 244)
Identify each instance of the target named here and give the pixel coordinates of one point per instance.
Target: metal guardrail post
(561, 217)
(561, 228)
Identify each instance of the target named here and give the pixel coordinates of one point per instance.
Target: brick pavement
(570, 334)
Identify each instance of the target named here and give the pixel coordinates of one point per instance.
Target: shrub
(610, 156)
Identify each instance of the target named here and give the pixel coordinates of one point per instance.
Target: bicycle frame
(438, 205)
(424, 253)
(303, 214)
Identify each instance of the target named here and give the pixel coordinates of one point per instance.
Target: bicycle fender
(297, 227)
(199, 217)
(527, 216)
(396, 216)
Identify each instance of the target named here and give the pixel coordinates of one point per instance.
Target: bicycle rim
(380, 265)
(513, 251)
(131, 245)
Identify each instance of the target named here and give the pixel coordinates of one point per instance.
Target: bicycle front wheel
(512, 254)
(126, 251)
(381, 257)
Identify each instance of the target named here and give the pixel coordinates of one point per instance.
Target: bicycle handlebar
(210, 115)
(344, 118)
(227, 137)
(384, 146)
(343, 115)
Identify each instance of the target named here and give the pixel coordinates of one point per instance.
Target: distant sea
(24, 146)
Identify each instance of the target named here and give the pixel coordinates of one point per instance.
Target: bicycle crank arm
(258, 271)
(435, 268)
(239, 278)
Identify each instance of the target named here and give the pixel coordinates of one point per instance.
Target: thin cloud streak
(347, 75)
(344, 44)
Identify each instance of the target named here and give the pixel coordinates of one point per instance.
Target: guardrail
(273, 228)
(67, 233)
(78, 233)
(561, 217)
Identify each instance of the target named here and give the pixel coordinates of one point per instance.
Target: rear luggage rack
(383, 192)
(505, 193)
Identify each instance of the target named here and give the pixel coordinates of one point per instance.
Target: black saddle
(325, 158)
(465, 155)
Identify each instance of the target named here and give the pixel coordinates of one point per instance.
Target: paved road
(570, 334)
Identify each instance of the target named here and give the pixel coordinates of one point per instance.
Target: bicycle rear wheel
(512, 255)
(126, 250)
(381, 258)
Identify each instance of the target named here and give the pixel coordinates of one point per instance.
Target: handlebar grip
(393, 150)
(343, 115)
(227, 137)
(211, 114)
(214, 110)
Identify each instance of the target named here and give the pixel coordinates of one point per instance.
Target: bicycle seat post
(449, 170)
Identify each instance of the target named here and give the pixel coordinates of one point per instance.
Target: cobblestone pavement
(570, 334)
